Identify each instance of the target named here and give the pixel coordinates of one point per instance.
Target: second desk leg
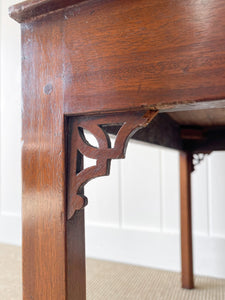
(186, 226)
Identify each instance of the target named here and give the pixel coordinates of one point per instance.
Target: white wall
(10, 97)
(133, 215)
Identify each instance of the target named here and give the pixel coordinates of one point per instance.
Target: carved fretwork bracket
(197, 158)
(130, 122)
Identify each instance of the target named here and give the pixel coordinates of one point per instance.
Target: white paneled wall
(133, 214)
(216, 194)
(140, 188)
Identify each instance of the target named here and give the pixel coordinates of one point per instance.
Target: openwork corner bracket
(129, 123)
(197, 158)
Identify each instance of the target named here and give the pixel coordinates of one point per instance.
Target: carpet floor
(115, 281)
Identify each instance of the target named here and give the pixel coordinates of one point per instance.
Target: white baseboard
(154, 249)
(10, 229)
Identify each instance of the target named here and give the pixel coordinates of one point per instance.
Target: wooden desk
(88, 64)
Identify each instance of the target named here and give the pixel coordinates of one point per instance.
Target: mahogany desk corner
(109, 66)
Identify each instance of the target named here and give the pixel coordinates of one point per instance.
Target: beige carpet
(113, 281)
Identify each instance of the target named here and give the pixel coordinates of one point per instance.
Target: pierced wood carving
(197, 158)
(129, 123)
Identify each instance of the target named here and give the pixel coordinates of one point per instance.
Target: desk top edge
(24, 11)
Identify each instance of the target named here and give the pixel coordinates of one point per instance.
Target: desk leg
(75, 248)
(186, 228)
(76, 279)
(53, 247)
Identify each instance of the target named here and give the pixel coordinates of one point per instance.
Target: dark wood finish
(75, 263)
(43, 157)
(132, 54)
(209, 139)
(75, 230)
(86, 59)
(129, 124)
(162, 131)
(186, 226)
(143, 53)
(192, 134)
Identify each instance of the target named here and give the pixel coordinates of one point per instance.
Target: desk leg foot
(76, 274)
(186, 228)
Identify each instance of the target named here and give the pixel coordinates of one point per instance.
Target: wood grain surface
(43, 164)
(119, 55)
(82, 58)
(75, 229)
(132, 54)
(186, 222)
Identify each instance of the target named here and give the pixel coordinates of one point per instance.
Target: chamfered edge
(24, 11)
